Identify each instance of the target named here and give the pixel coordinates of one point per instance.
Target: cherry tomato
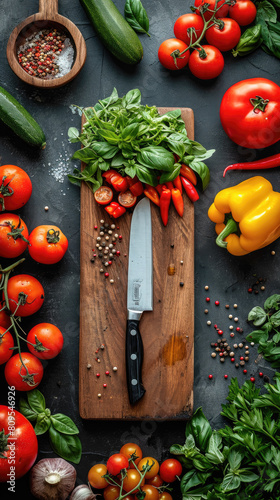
(103, 195)
(116, 463)
(151, 492)
(224, 35)
(6, 343)
(95, 476)
(222, 12)
(5, 321)
(131, 480)
(243, 12)
(154, 469)
(207, 63)
(170, 469)
(245, 126)
(16, 374)
(167, 47)
(27, 291)
(127, 199)
(155, 481)
(48, 244)
(184, 23)
(130, 449)
(111, 492)
(165, 496)
(23, 443)
(13, 236)
(48, 335)
(15, 187)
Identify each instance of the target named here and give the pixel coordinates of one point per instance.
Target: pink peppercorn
(210, 376)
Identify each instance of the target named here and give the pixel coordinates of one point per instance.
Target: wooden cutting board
(167, 331)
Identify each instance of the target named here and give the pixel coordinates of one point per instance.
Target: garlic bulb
(52, 479)
(83, 492)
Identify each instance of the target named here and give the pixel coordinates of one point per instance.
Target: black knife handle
(134, 360)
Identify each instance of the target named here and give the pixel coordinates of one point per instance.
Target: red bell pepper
(115, 209)
(152, 194)
(109, 174)
(114, 178)
(178, 201)
(188, 173)
(178, 184)
(190, 189)
(164, 202)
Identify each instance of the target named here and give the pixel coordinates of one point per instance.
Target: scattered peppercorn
(217, 303)
(210, 376)
(207, 299)
(252, 379)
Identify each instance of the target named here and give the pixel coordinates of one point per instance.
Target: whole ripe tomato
(206, 63)
(16, 374)
(222, 12)
(250, 113)
(48, 244)
(22, 443)
(165, 496)
(243, 12)
(13, 236)
(95, 476)
(151, 462)
(151, 493)
(170, 470)
(116, 463)
(224, 35)
(49, 336)
(131, 480)
(111, 492)
(15, 187)
(183, 25)
(155, 481)
(27, 291)
(173, 45)
(131, 450)
(6, 343)
(5, 321)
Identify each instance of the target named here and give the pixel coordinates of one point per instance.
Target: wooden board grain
(167, 331)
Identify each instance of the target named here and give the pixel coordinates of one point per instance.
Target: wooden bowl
(47, 17)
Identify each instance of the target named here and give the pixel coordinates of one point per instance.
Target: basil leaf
(25, 409)
(156, 157)
(272, 302)
(276, 2)
(130, 132)
(64, 424)
(117, 161)
(200, 429)
(36, 401)
(202, 171)
(249, 41)
(130, 170)
(230, 482)
(136, 16)
(132, 99)
(257, 336)
(275, 319)
(84, 154)
(248, 476)
(257, 315)
(235, 459)
(146, 175)
(67, 447)
(272, 39)
(214, 454)
(104, 103)
(42, 425)
(192, 479)
(170, 176)
(177, 147)
(110, 137)
(104, 149)
(73, 134)
(266, 11)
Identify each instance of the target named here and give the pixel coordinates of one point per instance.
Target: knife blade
(139, 294)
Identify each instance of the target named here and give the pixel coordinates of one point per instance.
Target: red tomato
(95, 476)
(149, 461)
(111, 492)
(116, 463)
(48, 335)
(131, 480)
(151, 493)
(16, 374)
(222, 12)
(15, 187)
(130, 449)
(184, 23)
(127, 199)
(170, 469)
(5, 321)
(165, 496)
(26, 291)
(13, 236)
(245, 126)
(155, 481)
(165, 50)
(48, 244)
(6, 343)
(103, 195)
(243, 12)
(209, 66)
(22, 442)
(225, 35)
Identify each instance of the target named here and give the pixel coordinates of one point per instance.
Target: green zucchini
(15, 116)
(113, 30)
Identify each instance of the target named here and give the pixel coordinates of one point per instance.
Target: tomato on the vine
(222, 12)
(151, 493)
(155, 481)
(130, 450)
(206, 62)
(48, 335)
(151, 462)
(116, 463)
(170, 469)
(183, 25)
(47, 244)
(173, 45)
(111, 492)
(6, 345)
(26, 294)
(15, 187)
(5, 321)
(16, 374)
(243, 12)
(165, 496)
(95, 476)
(225, 34)
(22, 442)
(13, 236)
(103, 195)
(131, 480)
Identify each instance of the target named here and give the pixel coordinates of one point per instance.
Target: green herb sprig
(136, 16)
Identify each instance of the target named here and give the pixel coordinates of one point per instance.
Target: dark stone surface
(228, 277)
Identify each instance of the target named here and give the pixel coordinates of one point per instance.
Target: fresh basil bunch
(123, 134)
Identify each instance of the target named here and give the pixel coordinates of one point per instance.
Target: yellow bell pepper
(247, 216)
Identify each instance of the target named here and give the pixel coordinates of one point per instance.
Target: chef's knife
(139, 294)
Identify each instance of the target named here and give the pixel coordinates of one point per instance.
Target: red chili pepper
(152, 194)
(164, 202)
(169, 185)
(269, 162)
(178, 201)
(159, 188)
(188, 173)
(178, 184)
(137, 188)
(115, 209)
(190, 189)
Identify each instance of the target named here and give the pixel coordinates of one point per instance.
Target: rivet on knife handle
(134, 360)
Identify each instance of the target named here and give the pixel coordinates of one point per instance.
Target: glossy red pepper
(159, 188)
(152, 194)
(109, 174)
(190, 189)
(178, 201)
(188, 173)
(164, 202)
(178, 184)
(137, 188)
(119, 183)
(269, 162)
(169, 185)
(115, 209)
